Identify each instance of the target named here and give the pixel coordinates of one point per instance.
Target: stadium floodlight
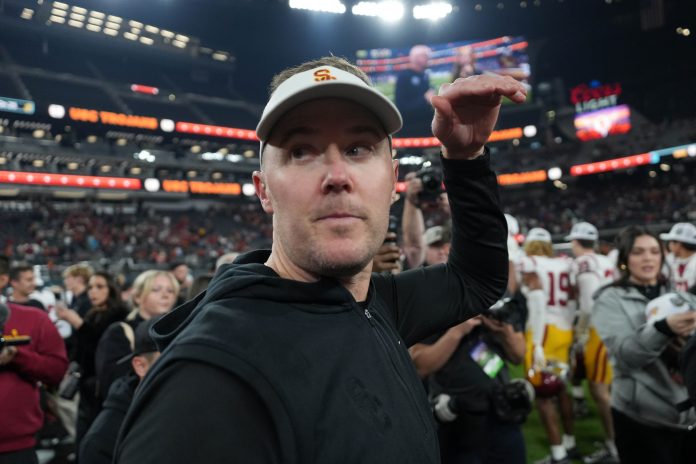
(77, 16)
(555, 173)
(325, 6)
(57, 19)
(146, 41)
(97, 14)
(137, 24)
(111, 32)
(129, 35)
(167, 34)
(220, 56)
(182, 38)
(56, 12)
(152, 29)
(178, 44)
(387, 10)
(432, 11)
(93, 28)
(60, 5)
(79, 9)
(112, 25)
(75, 23)
(115, 19)
(95, 21)
(27, 13)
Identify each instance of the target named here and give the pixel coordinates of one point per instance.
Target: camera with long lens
(432, 183)
(393, 228)
(507, 311)
(511, 402)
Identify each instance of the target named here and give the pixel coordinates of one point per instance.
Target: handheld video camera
(431, 178)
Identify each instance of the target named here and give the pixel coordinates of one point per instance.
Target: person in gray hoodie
(647, 387)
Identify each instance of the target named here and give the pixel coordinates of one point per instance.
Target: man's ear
(259, 178)
(140, 366)
(395, 166)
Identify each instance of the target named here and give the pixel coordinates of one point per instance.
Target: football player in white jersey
(590, 272)
(681, 259)
(546, 284)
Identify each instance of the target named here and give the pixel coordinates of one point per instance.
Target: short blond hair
(538, 248)
(81, 270)
(143, 284)
(334, 61)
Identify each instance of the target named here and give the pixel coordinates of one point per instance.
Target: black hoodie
(262, 369)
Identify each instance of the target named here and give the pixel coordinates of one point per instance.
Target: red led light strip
(610, 165)
(69, 180)
(218, 131)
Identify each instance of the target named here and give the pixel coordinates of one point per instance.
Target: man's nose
(337, 176)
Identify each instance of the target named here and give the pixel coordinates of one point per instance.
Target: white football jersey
(601, 266)
(682, 272)
(554, 274)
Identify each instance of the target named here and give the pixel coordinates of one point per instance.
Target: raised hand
(467, 109)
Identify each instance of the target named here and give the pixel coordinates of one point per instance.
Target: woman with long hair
(154, 293)
(646, 389)
(106, 308)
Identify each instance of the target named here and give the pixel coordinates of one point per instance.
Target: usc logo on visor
(321, 75)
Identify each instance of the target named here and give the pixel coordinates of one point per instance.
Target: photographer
(479, 409)
(470, 396)
(424, 186)
(22, 368)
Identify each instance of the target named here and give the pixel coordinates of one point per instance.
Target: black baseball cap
(143, 341)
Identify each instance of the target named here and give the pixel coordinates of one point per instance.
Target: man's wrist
(413, 202)
(463, 155)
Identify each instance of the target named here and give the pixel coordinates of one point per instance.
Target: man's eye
(300, 152)
(359, 150)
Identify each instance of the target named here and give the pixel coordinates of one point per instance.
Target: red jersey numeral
(558, 296)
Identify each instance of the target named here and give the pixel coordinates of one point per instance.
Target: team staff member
(299, 354)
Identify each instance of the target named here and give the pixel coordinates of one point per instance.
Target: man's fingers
(484, 86)
(443, 119)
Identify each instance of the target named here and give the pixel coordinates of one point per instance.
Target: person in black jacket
(98, 444)
(298, 354)
(107, 308)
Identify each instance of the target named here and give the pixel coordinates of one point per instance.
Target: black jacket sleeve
(237, 429)
(430, 299)
(112, 346)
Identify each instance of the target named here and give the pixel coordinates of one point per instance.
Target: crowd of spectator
(49, 234)
(43, 234)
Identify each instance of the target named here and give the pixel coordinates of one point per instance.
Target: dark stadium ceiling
(266, 35)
